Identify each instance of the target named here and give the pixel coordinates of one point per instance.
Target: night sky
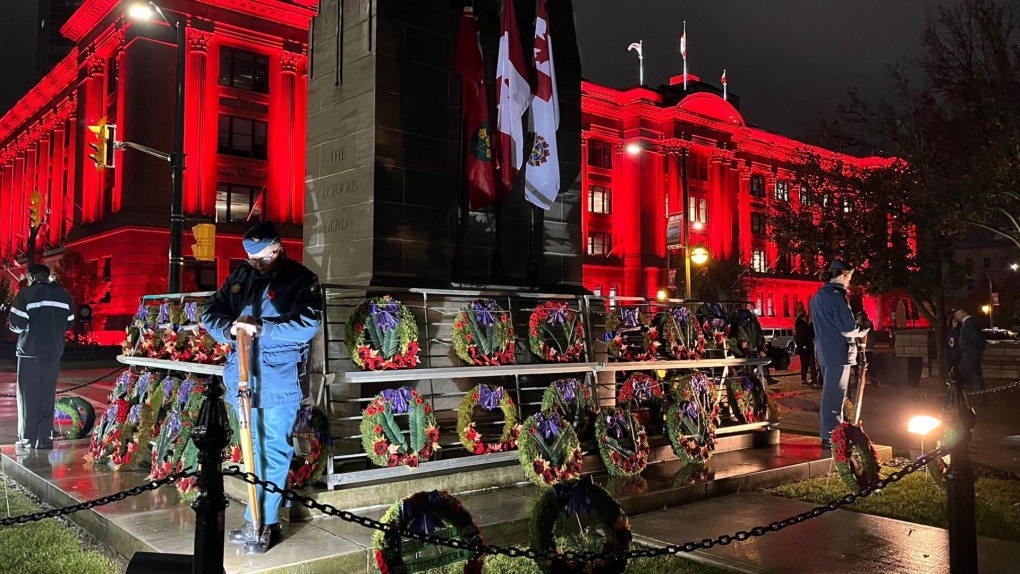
(791, 61)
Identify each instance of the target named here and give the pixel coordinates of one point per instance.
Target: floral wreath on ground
(381, 333)
(435, 513)
(623, 442)
(639, 390)
(483, 335)
(939, 465)
(692, 421)
(855, 457)
(81, 417)
(490, 398)
(549, 450)
(572, 399)
(173, 450)
(569, 501)
(678, 328)
(382, 438)
(555, 333)
(623, 327)
(747, 398)
(106, 441)
(311, 430)
(714, 324)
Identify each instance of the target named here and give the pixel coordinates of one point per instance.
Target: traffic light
(204, 248)
(35, 208)
(102, 133)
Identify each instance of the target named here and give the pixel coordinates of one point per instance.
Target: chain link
(76, 387)
(589, 557)
(53, 513)
(990, 390)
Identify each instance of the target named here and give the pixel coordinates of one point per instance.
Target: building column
(56, 198)
(70, 149)
(771, 250)
(43, 183)
(295, 85)
(31, 168)
(6, 210)
(122, 98)
(716, 207)
(18, 218)
(744, 216)
(627, 235)
(200, 177)
(95, 108)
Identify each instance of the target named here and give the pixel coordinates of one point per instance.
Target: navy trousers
(834, 383)
(37, 387)
(271, 440)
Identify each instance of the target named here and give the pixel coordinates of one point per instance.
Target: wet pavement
(97, 394)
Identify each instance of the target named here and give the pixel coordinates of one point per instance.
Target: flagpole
(641, 62)
(724, 84)
(685, 54)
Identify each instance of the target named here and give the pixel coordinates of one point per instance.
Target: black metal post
(960, 419)
(211, 436)
(177, 166)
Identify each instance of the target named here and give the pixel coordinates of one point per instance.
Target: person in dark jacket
(972, 348)
(835, 331)
(804, 336)
(953, 355)
(41, 315)
(278, 301)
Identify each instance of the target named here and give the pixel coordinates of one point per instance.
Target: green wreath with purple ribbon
(623, 442)
(629, 336)
(74, 417)
(692, 420)
(382, 438)
(315, 446)
(549, 450)
(434, 513)
(682, 333)
(381, 333)
(566, 504)
(483, 335)
(572, 399)
(747, 398)
(490, 398)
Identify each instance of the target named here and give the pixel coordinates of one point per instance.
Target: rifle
(244, 421)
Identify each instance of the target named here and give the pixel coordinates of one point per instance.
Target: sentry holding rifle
(272, 307)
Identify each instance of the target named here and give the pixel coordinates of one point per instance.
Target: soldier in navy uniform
(278, 301)
(41, 315)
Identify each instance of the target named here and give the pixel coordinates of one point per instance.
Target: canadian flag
(512, 96)
(724, 77)
(542, 179)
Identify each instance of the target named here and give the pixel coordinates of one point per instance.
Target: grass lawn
(661, 565)
(44, 547)
(918, 499)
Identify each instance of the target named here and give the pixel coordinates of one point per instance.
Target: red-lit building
(245, 109)
(632, 141)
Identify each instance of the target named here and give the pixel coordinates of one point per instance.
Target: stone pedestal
(384, 149)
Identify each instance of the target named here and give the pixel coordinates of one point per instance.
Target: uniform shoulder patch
(235, 288)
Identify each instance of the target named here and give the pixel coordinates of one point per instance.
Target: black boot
(260, 545)
(247, 533)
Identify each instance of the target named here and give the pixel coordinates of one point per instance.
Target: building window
(758, 223)
(235, 202)
(987, 262)
(760, 303)
(614, 291)
(599, 244)
(698, 210)
(600, 200)
(111, 75)
(758, 260)
(786, 305)
(245, 70)
(242, 137)
(784, 263)
(205, 274)
(105, 269)
(600, 154)
(805, 196)
(772, 305)
(597, 291)
(783, 190)
(826, 200)
(848, 206)
(970, 285)
(757, 186)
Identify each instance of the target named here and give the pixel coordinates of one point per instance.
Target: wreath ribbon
(489, 397)
(576, 496)
(422, 516)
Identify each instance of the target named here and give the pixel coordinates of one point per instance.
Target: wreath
(639, 390)
(381, 334)
(490, 398)
(315, 445)
(153, 413)
(549, 450)
(629, 336)
(623, 442)
(609, 531)
(112, 431)
(691, 422)
(381, 435)
(682, 332)
(483, 335)
(435, 513)
(555, 333)
(747, 397)
(855, 456)
(938, 466)
(714, 323)
(574, 401)
(747, 337)
(76, 414)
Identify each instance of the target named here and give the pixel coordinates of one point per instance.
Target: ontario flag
(512, 95)
(542, 178)
(478, 167)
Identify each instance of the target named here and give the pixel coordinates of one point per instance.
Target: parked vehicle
(997, 334)
(781, 339)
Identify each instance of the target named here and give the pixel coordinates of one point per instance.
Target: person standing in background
(804, 336)
(972, 349)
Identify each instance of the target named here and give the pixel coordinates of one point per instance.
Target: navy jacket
(41, 315)
(287, 304)
(835, 328)
(972, 341)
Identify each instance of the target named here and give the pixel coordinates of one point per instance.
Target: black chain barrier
(588, 557)
(990, 390)
(76, 387)
(140, 489)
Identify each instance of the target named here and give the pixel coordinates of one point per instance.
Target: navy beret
(38, 269)
(260, 237)
(838, 265)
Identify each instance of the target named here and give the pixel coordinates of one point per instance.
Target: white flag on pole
(542, 179)
(512, 95)
(636, 46)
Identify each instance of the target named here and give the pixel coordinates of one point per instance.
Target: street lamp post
(177, 157)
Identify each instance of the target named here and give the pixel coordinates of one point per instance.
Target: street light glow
(661, 294)
(986, 308)
(633, 149)
(140, 12)
(697, 225)
(699, 255)
(922, 425)
(1014, 266)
